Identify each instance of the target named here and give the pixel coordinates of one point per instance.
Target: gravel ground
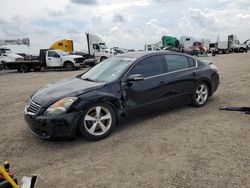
(184, 147)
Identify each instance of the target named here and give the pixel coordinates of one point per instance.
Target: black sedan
(94, 102)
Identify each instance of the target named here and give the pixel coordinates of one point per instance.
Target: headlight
(60, 106)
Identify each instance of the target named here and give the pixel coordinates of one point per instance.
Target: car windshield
(103, 46)
(63, 53)
(108, 70)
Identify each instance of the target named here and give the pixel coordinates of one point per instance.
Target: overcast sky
(123, 23)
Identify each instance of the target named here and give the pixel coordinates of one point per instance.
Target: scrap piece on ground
(236, 108)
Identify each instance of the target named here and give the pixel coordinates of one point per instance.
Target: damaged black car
(93, 103)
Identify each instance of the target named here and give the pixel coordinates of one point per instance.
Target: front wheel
(220, 51)
(200, 94)
(69, 66)
(97, 122)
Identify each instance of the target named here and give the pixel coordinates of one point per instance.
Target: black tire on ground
(23, 68)
(69, 66)
(241, 50)
(200, 96)
(85, 124)
(103, 58)
(219, 51)
(227, 51)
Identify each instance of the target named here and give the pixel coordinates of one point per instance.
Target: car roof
(140, 54)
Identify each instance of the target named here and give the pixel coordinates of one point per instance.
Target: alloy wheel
(201, 94)
(98, 120)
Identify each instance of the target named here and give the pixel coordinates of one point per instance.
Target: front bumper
(46, 127)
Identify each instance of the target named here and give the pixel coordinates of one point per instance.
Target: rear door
(181, 76)
(149, 90)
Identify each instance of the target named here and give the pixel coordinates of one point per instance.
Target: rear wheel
(69, 66)
(227, 51)
(241, 50)
(200, 94)
(219, 51)
(24, 68)
(97, 122)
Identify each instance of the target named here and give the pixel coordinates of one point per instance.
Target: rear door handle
(49, 58)
(194, 74)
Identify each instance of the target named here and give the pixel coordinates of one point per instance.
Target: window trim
(187, 61)
(143, 58)
(166, 73)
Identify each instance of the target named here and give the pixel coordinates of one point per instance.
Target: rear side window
(150, 66)
(176, 62)
(192, 62)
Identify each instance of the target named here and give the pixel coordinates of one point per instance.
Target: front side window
(176, 62)
(52, 54)
(150, 66)
(103, 46)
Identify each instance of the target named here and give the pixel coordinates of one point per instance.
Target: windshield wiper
(88, 79)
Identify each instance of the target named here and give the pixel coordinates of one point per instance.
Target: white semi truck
(97, 48)
(231, 45)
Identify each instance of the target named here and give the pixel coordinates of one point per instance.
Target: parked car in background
(94, 102)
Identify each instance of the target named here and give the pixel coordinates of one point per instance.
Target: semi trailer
(231, 45)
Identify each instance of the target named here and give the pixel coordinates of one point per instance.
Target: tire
(241, 50)
(91, 125)
(219, 51)
(227, 51)
(23, 68)
(103, 58)
(200, 95)
(69, 66)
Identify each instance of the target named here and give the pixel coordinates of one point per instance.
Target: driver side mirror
(135, 77)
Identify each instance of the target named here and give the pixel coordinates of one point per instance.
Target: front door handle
(162, 82)
(49, 58)
(194, 74)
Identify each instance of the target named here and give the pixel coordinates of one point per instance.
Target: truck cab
(235, 45)
(97, 48)
(6, 55)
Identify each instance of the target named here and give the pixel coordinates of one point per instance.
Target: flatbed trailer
(24, 66)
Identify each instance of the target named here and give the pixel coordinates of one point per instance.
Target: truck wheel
(241, 50)
(24, 68)
(227, 51)
(219, 51)
(69, 66)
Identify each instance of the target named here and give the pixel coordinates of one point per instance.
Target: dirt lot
(185, 147)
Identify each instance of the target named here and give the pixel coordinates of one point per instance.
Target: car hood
(14, 56)
(65, 88)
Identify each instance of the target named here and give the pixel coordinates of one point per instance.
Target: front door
(54, 59)
(149, 90)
